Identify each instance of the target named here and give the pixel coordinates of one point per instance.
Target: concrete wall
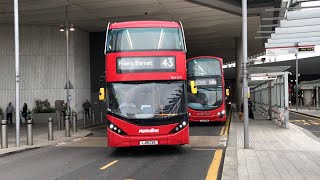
(81, 67)
(43, 65)
(97, 64)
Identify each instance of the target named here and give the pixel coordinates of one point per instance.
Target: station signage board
(289, 50)
(281, 51)
(146, 64)
(263, 78)
(306, 49)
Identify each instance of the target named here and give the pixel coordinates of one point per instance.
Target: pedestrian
(24, 112)
(9, 112)
(86, 106)
(250, 111)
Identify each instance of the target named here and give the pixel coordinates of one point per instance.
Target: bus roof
(208, 57)
(145, 24)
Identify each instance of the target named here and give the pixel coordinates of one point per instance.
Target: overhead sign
(306, 49)
(263, 78)
(146, 64)
(280, 51)
(289, 50)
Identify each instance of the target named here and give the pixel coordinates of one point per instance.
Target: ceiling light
(61, 28)
(72, 28)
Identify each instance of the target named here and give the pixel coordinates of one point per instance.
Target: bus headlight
(115, 129)
(179, 127)
(222, 112)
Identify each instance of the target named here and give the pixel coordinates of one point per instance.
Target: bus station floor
(40, 137)
(90, 158)
(274, 153)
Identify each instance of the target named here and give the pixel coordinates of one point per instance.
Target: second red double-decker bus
(207, 103)
(146, 84)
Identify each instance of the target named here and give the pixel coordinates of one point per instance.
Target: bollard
(62, 119)
(29, 133)
(101, 116)
(84, 121)
(71, 118)
(67, 126)
(59, 120)
(4, 134)
(84, 118)
(74, 122)
(309, 105)
(93, 114)
(50, 129)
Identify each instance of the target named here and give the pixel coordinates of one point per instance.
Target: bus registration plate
(204, 120)
(142, 143)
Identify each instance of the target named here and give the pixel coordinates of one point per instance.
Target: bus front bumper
(215, 118)
(117, 140)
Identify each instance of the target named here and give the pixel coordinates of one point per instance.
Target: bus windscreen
(142, 39)
(204, 67)
(147, 100)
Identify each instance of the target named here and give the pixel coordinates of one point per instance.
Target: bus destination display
(146, 64)
(206, 82)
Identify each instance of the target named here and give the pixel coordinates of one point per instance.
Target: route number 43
(168, 62)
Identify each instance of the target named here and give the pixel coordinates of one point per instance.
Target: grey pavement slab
(274, 153)
(40, 137)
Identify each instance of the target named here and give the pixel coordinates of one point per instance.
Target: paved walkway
(312, 112)
(275, 152)
(40, 136)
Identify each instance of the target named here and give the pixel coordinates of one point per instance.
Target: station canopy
(300, 26)
(211, 26)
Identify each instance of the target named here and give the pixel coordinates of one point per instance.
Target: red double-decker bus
(146, 84)
(207, 102)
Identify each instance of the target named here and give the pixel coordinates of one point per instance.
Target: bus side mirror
(227, 92)
(102, 94)
(194, 89)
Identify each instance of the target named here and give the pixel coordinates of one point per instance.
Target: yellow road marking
(305, 122)
(108, 165)
(203, 149)
(227, 125)
(315, 123)
(222, 130)
(214, 167)
(227, 130)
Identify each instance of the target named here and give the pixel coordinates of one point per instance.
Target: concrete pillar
(270, 100)
(307, 95)
(238, 47)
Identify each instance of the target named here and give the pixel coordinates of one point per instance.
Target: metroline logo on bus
(152, 130)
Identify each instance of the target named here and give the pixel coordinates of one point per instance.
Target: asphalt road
(306, 122)
(89, 158)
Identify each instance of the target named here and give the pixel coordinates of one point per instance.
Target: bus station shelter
(269, 93)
